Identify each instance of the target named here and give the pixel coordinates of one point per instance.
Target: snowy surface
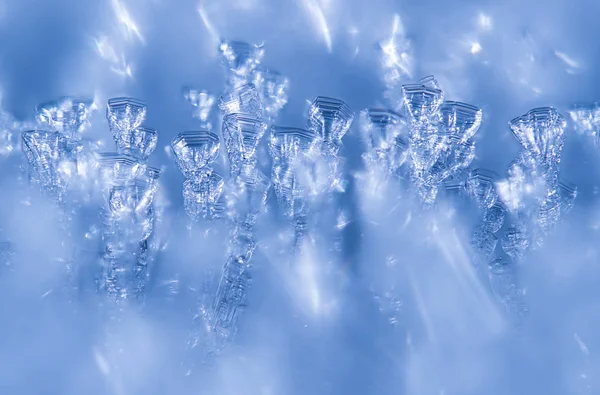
(316, 328)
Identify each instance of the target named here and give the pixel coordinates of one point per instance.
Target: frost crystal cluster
(244, 171)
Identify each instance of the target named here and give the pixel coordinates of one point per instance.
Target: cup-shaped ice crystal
(422, 100)
(240, 58)
(201, 198)
(541, 133)
(460, 120)
(329, 118)
(242, 100)
(380, 128)
(242, 134)
(42, 149)
(480, 186)
(195, 151)
(70, 116)
(125, 114)
(138, 143)
(273, 89)
(203, 103)
(117, 168)
(286, 143)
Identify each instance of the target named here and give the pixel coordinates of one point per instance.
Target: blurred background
(504, 57)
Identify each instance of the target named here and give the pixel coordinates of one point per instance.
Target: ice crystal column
(202, 189)
(422, 102)
(130, 187)
(290, 148)
(42, 150)
(533, 190)
(240, 59)
(441, 145)
(194, 154)
(494, 269)
(128, 223)
(242, 130)
(70, 117)
(330, 119)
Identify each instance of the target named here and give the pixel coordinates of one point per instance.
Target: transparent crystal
(273, 89)
(117, 168)
(203, 103)
(69, 116)
(385, 137)
(480, 186)
(286, 146)
(129, 222)
(422, 100)
(138, 143)
(451, 158)
(125, 114)
(42, 149)
(541, 133)
(242, 134)
(460, 120)
(330, 119)
(201, 198)
(242, 100)
(195, 151)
